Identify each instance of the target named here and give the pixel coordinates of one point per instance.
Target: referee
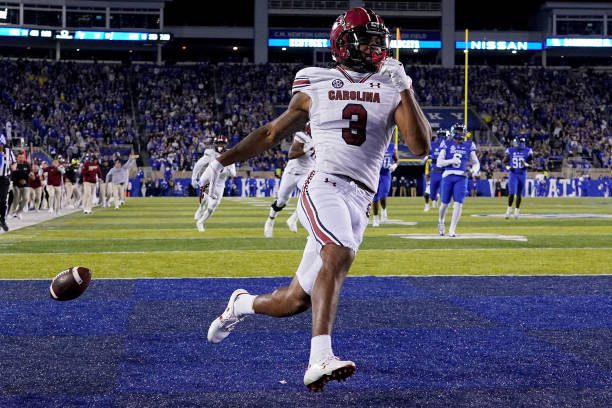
(7, 160)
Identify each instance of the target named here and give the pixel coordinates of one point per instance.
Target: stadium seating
(75, 108)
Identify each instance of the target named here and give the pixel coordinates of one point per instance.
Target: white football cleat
(200, 225)
(375, 221)
(269, 228)
(200, 211)
(328, 369)
(383, 216)
(292, 222)
(441, 229)
(516, 213)
(223, 325)
(426, 209)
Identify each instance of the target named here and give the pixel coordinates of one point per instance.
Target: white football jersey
(351, 120)
(302, 164)
(208, 156)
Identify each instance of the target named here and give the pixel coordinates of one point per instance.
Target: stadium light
(235, 48)
(284, 49)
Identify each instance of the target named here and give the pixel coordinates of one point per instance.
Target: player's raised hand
(209, 178)
(393, 167)
(395, 70)
(308, 146)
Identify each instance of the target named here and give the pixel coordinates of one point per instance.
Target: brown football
(70, 283)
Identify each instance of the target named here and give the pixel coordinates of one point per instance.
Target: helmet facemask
(375, 37)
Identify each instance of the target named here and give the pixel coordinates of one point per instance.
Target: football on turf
(70, 283)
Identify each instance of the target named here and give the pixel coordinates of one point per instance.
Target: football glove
(455, 161)
(393, 167)
(395, 70)
(307, 147)
(209, 178)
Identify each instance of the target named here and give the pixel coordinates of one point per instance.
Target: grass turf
(156, 237)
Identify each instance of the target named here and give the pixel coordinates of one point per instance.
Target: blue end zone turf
(437, 341)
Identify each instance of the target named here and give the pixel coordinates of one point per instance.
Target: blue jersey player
(389, 165)
(453, 158)
(433, 171)
(517, 160)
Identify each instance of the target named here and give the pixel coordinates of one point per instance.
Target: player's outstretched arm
(412, 123)
(267, 136)
(408, 115)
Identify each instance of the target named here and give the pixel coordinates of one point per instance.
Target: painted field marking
(400, 222)
(519, 238)
(548, 215)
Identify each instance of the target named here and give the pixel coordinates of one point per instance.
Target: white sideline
(32, 218)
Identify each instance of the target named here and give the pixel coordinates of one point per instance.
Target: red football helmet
(220, 141)
(355, 28)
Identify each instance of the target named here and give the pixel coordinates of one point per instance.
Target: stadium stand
(72, 109)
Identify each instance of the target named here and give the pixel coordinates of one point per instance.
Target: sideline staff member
(7, 161)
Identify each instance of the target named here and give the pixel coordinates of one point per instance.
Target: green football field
(156, 237)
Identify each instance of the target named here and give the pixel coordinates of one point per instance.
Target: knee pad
(457, 205)
(276, 207)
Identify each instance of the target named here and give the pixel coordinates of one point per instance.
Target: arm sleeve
(232, 170)
(302, 81)
(475, 162)
(441, 161)
(199, 167)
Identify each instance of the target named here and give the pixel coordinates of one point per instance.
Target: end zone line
(552, 275)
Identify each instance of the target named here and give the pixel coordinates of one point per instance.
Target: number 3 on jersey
(357, 116)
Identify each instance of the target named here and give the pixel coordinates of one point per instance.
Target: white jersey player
(301, 161)
(352, 108)
(208, 205)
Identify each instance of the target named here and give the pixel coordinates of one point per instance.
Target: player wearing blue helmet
(432, 171)
(517, 160)
(453, 158)
(389, 164)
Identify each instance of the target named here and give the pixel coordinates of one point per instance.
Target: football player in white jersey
(208, 204)
(351, 107)
(301, 161)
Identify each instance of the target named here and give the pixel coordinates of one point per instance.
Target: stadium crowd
(69, 109)
(72, 109)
